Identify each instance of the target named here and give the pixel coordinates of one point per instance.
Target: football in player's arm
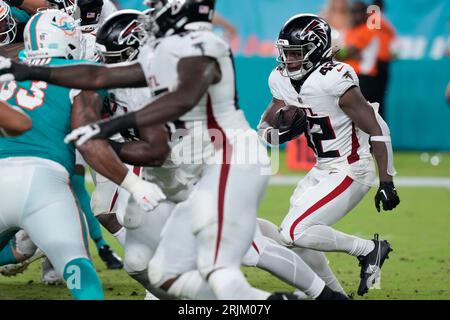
(13, 121)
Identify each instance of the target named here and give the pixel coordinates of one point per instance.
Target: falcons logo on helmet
(129, 35)
(316, 29)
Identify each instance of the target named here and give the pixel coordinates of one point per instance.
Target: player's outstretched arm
(195, 75)
(13, 121)
(363, 115)
(78, 76)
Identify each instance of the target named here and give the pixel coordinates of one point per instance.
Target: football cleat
(11, 270)
(371, 264)
(150, 296)
(110, 258)
(282, 296)
(48, 274)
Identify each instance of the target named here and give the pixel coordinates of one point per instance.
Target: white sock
(326, 239)
(230, 284)
(319, 263)
(191, 285)
(120, 236)
(289, 267)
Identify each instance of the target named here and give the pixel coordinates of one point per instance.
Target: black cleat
(328, 294)
(282, 296)
(110, 258)
(371, 264)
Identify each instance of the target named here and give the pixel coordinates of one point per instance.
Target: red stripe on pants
(332, 195)
(224, 171)
(255, 247)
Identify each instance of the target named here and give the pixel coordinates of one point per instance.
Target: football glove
(291, 122)
(386, 194)
(147, 195)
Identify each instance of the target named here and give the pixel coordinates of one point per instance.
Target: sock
(326, 239)
(289, 267)
(82, 280)
(319, 264)
(95, 231)
(7, 255)
(191, 285)
(230, 284)
(120, 236)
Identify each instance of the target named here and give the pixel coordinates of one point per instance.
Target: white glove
(82, 134)
(147, 195)
(5, 64)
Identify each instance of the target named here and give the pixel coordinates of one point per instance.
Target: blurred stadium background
(418, 115)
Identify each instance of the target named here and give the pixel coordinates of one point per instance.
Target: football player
(89, 12)
(177, 182)
(36, 166)
(342, 126)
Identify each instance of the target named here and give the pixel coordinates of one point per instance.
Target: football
(290, 119)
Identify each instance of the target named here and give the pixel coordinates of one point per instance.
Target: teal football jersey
(50, 108)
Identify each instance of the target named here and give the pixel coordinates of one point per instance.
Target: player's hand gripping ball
(291, 122)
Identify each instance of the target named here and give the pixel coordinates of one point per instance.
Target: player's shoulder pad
(336, 78)
(202, 43)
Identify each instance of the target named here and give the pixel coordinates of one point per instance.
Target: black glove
(387, 194)
(290, 123)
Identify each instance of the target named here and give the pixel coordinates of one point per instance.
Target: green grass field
(419, 231)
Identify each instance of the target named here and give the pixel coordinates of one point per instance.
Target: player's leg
(56, 225)
(315, 207)
(316, 260)
(106, 200)
(141, 243)
(8, 252)
(108, 256)
(18, 254)
(283, 263)
(223, 215)
(173, 267)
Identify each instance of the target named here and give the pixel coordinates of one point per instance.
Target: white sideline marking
(409, 182)
(412, 182)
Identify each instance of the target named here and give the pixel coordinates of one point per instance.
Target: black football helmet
(120, 36)
(172, 16)
(307, 38)
(88, 13)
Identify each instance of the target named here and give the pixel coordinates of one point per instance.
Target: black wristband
(110, 127)
(24, 72)
(14, 3)
(116, 146)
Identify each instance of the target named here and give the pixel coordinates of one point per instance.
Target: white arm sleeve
(386, 138)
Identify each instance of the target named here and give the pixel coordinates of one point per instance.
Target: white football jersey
(88, 43)
(174, 178)
(332, 134)
(219, 105)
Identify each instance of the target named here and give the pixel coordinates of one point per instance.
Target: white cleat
(11, 270)
(150, 296)
(48, 274)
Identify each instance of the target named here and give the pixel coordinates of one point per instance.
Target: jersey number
(29, 99)
(327, 134)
